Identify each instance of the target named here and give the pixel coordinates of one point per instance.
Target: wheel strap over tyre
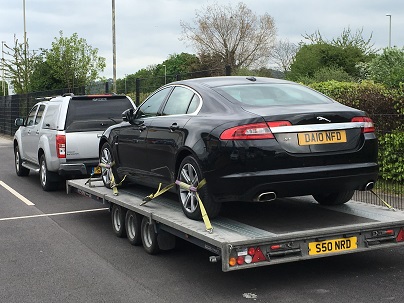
(114, 185)
(188, 187)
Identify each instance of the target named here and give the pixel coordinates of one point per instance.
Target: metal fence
(15, 106)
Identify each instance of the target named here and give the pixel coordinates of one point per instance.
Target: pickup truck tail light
(61, 146)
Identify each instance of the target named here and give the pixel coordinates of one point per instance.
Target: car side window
(31, 116)
(193, 106)
(39, 114)
(151, 106)
(51, 116)
(179, 101)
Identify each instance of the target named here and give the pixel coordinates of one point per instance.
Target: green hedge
(384, 106)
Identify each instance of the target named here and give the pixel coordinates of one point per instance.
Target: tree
(283, 54)
(313, 57)
(73, 61)
(388, 68)
(19, 66)
(235, 34)
(347, 39)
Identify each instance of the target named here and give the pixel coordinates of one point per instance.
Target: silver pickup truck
(59, 137)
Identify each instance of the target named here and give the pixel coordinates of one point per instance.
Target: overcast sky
(148, 31)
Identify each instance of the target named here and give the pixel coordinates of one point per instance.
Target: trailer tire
(118, 221)
(149, 236)
(338, 198)
(190, 169)
(133, 225)
(20, 170)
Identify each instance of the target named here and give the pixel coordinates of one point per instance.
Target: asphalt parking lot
(56, 247)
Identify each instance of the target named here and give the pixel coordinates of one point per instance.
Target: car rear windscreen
(276, 94)
(97, 113)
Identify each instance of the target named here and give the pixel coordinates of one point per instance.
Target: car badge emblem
(323, 119)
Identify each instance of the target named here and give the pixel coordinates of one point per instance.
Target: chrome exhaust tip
(370, 186)
(266, 197)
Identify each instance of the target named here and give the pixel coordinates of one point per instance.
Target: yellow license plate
(333, 246)
(325, 137)
(97, 170)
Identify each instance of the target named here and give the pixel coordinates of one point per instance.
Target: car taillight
(61, 146)
(255, 131)
(368, 124)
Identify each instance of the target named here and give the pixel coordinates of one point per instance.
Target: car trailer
(249, 235)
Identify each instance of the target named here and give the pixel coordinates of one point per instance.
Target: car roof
(229, 80)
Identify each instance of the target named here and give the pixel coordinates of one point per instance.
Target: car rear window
(276, 94)
(96, 113)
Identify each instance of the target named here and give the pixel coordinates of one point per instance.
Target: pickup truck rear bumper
(77, 168)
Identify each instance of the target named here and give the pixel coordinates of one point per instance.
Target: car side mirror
(19, 122)
(127, 115)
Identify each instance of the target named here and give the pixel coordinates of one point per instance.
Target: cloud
(147, 32)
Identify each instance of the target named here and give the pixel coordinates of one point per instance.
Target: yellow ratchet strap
(113, 185)
(188, 187)
(158, 193)
(385, 203)
(204, 214)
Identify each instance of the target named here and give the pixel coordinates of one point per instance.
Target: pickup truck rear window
(91, 114)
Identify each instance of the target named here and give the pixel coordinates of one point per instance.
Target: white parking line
(54, 214)
(15, 193)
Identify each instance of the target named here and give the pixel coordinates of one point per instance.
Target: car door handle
(37, 132)
(174, 127)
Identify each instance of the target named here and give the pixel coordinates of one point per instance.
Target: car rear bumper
(292, 182)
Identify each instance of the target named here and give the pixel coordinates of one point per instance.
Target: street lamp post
(113, 49)
(389, 15)
(2, 65)
(165, 74)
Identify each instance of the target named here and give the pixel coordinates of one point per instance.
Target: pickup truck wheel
(46, 177)
(107, 158)
(334, 198)
(191, 174)
(149, 236)
(118, 221)
(19, 169)
(133, 226)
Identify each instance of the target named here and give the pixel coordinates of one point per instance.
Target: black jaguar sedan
(251, 139)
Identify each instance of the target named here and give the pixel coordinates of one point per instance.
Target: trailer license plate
(332, 246)
(326, 137)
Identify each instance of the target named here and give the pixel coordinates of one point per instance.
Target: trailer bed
(258, 234)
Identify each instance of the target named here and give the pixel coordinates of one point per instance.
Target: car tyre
(133, 223)
(46, 177)
(118, 221)
(190, 173)
(107, 158)
(334, 198)
(149, 236)
(19, 169)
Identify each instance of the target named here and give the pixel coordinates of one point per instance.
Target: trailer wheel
(191, 174)
(133, 225)
(149, 236)
(334, 198)
(118, 221)
(19, 169)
